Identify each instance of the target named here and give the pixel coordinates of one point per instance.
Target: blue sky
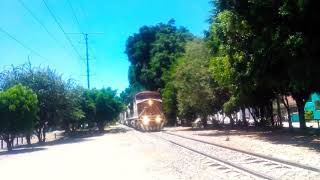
(116, 19)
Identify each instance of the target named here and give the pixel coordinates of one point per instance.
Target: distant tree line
(34, 100)
(254, 53)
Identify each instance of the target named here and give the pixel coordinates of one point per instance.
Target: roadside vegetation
(253, 54)
(35, 100)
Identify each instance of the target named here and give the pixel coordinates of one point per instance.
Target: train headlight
(150, 102)
(158, 119)
(145, 120)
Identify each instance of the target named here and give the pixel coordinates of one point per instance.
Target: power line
(84, 13)
(61, 28)
(37, 19)
(22, 44)
(74, 15)
(41, 23)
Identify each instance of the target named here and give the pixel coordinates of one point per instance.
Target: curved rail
(251, 153)
(249, 171)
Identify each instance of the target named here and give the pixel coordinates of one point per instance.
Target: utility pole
(86, 38)
(87, 57)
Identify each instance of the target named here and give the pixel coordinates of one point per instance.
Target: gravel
(283, 146)
(272, 169)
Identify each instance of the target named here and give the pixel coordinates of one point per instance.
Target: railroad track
(258, 166)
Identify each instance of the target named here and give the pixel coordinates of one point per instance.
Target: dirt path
(119, 154)
(123, 153)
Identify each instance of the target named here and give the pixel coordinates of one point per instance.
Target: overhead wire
(78, 25)
(84, 13)
(41, 24)
(22, 44)
(61, 28)
(38, 20)
(74, 15)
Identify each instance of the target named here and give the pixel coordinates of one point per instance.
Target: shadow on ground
(89, 133)
(41, 146)
(22, 151)
(309, 138)
(301, 139)
(75, 137)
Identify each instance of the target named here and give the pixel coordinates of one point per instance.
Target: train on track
(145, 113)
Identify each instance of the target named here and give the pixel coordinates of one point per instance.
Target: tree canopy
(152, 51)
(18, 112)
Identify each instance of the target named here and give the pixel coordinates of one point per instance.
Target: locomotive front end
(149, 107)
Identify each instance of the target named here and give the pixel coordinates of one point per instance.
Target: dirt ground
(118, 153)
(122, 153)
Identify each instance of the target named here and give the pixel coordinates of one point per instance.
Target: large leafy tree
(71, 114)
(267, 49)
(152, 51)
(169, 95)
(233, 60)
(18, 112)
(197, 90)
(108, 106)
(49, 87)
(88, 106)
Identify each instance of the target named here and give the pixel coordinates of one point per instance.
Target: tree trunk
(101, 126)
(28, 138)
(253, 116)
(9, 141)
(41, 135)
(244, 119)
(237, 119)
(262, 116)
(9, 145)
(204, 121)
(279, 112)
(286, 104)
(270, 114)
(231, 120)
(300, 104)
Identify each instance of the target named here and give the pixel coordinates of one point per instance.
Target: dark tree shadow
(22, 151)
(74, 137)
(93, 133)
(307, 138)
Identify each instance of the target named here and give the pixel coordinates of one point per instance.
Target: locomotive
(146, 113)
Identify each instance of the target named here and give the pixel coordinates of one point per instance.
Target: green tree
(108, 107)
(18, 112)
(197, 90)
(152, 51)
(271, 50)
(88, 106)
(70, 112)
(169, 96)
(49, 87)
